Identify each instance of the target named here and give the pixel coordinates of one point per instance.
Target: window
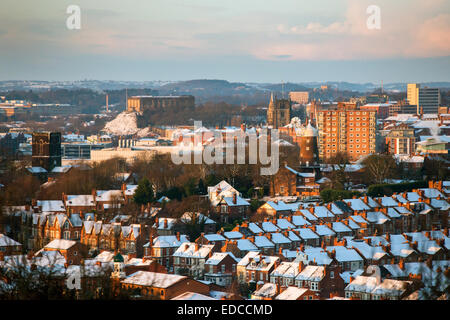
(223, 268)
(332, 274)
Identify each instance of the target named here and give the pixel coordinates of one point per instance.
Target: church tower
(279, 112)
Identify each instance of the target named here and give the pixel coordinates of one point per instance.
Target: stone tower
(279, 112)
(46, 150)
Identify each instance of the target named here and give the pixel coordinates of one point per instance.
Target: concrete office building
(426, 99)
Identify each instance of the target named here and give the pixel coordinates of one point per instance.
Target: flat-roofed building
(401, 140)
(300, 97)
(346, 130)
(426, 99)
(155, 103)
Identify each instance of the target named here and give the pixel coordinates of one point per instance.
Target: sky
(245, 40)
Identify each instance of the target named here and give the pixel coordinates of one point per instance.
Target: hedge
(378, 190)
(329, 195)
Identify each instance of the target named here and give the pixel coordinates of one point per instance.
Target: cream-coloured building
(300, 97)
(426, 99)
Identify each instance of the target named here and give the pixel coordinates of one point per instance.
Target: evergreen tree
(201, 188)
(144, 192)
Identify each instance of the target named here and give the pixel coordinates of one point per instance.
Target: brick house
(162, 286)
(232, 207)
(132, 239)
(217, 240)
(325, 281)
(162, 248)
(9, 246)
(209, 225)
(74, 252)
(255, 267)
(294, 293)
(220, 268)
(289, 182)
(190, 258)
(274, 209)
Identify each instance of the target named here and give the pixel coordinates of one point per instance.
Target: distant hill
(204, 90)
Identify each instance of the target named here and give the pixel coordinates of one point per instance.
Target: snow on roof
(286, 269)
(308, 215)
(36, 170)
(60, 244)
(80, 200)
(246, 245)
(170, 223)
(368, 251)
(192, 296)
(291, 293)
(440, 204)
(344, 254)
(299, 221)
(187, 216)
(284, 224)
(246, 259)
(267, 290)
(432, 193)
(357, 219)
(233, 235)
(239, 201)
(340, 227)
(323, 212)
(324, 230)
(51, 205)
(104, 256)
(306, 233)
(362, 284)
(193, 250)
(279, 238)
(399, 249)
(347, 274)
(130, 189)
(387, 202)
(391, 287)
(6, 241)
(268, 226)
(279, 205)
(168, 241)
(377, 217)
(357, 204)
(254, 228)
(311, 273)
(61, 169)
(214, 237)
(109, 195)
(217, 257)
(263, 242)
(153, 279)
